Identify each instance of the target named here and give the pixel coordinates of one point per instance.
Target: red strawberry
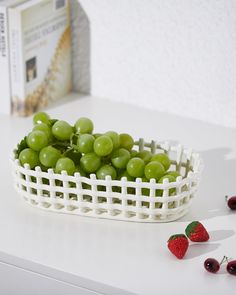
(196, 232)
(178, 245)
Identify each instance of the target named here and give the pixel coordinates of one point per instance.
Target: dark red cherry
(231, 202)
(231, 267)
(211, 265)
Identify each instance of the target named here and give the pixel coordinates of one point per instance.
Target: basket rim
(152, 183)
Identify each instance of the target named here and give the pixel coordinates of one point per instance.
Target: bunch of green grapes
(58, 145)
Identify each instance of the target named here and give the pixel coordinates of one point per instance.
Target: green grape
(29, 156)
(84, 125)
(154, 170)
(62, 130)
(96, 135)
(49, 156)
(163, 159)
(90, 162)
(103, 145)
(37, 140)
(85, 143)
(65, 164)
(173, 173)
(120, 158)
(126, 141)
(45, 128)
(126, 174)
(80, 170)
(106, 170)
(41, 117)
(161, 180)
(135, 167)
(133, 153)
(145, 155)
(115, 138)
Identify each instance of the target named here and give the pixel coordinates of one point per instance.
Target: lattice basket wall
(115, 199)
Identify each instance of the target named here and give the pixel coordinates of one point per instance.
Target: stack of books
(35, 54)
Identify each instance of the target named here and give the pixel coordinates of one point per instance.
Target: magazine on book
(40, 54)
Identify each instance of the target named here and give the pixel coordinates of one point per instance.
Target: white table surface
(102, 254)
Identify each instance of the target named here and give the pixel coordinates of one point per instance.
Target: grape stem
(67, 151)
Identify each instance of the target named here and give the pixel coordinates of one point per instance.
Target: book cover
(5, 95)
(40, 42)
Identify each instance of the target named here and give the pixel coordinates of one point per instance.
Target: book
(5, 85)
(40, 54)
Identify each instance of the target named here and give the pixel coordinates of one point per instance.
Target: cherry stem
(224, 259)
(226, 198)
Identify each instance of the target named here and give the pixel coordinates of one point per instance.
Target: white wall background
(177, 56)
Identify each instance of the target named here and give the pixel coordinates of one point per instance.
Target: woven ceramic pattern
(115, 199)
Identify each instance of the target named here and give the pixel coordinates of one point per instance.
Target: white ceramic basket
(114, 199)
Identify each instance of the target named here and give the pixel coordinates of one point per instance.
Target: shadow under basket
(115, 199)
